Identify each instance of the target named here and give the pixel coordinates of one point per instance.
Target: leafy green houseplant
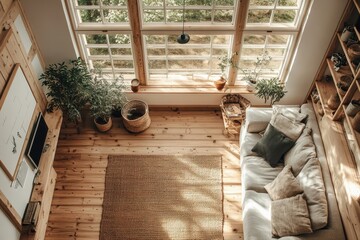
(68, 86)
(118, 96)
(270, 89)
(105, 96)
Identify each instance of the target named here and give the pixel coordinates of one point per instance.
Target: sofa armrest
(257, 119)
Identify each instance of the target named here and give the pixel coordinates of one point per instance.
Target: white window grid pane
(267, 72)
(165, 8)
(109, 61)
(277, 6)
(105, 12)
(186, 69)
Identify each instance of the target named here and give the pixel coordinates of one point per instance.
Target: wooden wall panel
(12, 51)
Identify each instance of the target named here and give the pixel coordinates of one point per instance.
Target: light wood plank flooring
(81, 161)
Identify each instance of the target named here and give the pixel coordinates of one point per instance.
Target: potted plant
(223, 64)
(118, 96)
(101, 103)
(270, 89)
(251, 76)
(68, 88)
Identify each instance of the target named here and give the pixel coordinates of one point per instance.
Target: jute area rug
(163, 197)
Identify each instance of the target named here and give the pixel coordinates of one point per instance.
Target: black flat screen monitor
(37, 140)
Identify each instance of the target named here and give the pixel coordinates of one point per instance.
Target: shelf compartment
(325, 90)
(355, 134)
(337, 74)
(344, 48)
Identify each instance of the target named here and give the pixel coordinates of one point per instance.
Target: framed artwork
(17, 107)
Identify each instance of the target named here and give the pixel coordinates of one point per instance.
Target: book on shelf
(232, 110)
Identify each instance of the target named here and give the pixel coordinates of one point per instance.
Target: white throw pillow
(290, 112)
(311, 181)
(289, 127)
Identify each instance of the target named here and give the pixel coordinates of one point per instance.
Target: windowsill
(191, 90)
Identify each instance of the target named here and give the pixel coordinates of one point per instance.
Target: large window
(109, 33)
(170, 63)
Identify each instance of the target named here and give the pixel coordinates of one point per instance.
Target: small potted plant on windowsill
(223, 64)
(251, 76)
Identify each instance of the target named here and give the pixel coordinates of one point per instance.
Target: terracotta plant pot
(220, 84)
(103, 126)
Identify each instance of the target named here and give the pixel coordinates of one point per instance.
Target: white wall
(319, 29)
(53, 35)
(7, 230)
(49, 25)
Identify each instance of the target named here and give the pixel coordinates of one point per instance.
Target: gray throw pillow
(284, 185)
(290, 217)
(273, 145)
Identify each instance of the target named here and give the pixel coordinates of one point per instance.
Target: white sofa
(256, 173)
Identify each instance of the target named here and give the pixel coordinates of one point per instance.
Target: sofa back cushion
(311, 181)
(290, 112)
(287, 126)
(301, 152)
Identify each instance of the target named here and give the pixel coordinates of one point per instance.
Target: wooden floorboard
(81, 161)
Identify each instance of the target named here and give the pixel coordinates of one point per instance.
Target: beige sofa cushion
(290, 217)
(257, 119)
(291, 113)
(301, 152)
(287, 126)
(311, 181)
(284, 185)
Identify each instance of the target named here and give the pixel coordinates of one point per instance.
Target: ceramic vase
(220, 84)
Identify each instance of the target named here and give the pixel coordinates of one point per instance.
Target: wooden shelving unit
(340, 155)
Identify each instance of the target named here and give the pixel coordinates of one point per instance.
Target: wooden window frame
(238, 29)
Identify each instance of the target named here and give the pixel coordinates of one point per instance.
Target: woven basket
(135, 115)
